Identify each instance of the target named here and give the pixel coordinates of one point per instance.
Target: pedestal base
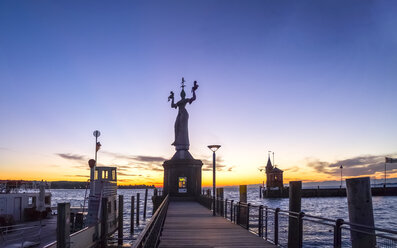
(182, 177)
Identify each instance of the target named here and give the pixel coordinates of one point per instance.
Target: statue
(181, 124)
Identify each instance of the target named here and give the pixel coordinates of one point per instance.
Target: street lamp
(213, 148)
(341, 168)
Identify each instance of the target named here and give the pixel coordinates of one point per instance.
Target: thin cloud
(135, 158)
(71, 156)
(356, 166)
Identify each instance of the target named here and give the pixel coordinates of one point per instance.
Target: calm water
(385, 211)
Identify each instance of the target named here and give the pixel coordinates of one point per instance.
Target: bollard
(243, 193)
(132, 215)
(63, 225)
(294, 239)
(144, 206)
(120, 225)
(359, 201)
(137, 209)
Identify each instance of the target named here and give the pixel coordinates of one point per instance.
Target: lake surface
(385, 210)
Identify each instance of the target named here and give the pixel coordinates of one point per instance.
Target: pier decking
(189, 224)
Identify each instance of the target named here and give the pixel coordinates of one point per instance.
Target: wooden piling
(243, 193)
(132, 214)
(359, 201)
(295, 200)
(144, 205)
(260, 191)
(121, 215)
(137, 209)
(104, 223)
(63, 225)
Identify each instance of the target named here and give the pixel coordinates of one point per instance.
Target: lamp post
(341, 168)
(213, 148)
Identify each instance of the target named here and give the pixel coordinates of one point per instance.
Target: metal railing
(311, 231)
(20, 234)
(150, 236)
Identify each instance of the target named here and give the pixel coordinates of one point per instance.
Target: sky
(312, 81)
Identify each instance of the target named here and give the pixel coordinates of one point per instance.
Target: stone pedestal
(182, 175)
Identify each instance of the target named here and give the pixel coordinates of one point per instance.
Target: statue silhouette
(181, 141)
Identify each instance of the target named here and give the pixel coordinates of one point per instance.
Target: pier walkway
(189, 224)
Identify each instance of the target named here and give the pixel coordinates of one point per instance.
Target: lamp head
(341, 167)
(214, 148)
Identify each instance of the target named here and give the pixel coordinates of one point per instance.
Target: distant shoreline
(83, 185)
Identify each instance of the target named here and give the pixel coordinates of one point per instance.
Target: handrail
(150, 236)
(256, 219)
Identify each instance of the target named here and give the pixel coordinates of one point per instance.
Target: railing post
(120, 224)
(276, 225)
(231, 210)
(260, 221)
(248, 215)
(338, 233)
(225, 210)
(266, 215)
(238, 213)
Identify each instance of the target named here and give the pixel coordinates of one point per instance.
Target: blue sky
(310, 80)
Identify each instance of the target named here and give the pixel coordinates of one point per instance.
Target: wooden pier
(189, 224)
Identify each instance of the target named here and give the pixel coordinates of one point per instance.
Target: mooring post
(63, 225)
(359, 201)
(121, 215)
(260, 191)
(104, 222)
(144, 206)
(294, 239)
(132, 214)
(137, 209)
(243, 193)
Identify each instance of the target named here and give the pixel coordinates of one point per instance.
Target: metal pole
(213, 182)
(273, 161)
(96, 162)
(341, 168)
(384, 185)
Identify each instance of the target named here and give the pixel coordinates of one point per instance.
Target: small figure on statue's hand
(171, 96)
(195, 86)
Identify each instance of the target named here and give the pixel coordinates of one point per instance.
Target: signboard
(182, 185)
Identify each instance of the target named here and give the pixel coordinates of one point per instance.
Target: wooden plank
(190, 225)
